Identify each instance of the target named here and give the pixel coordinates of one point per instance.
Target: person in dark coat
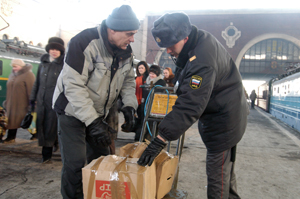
(210, 90)
(253, 97)
(168, 77)
(18, 88)
(42, 93)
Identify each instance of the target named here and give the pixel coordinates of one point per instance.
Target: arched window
(270, 57)
(4, 37)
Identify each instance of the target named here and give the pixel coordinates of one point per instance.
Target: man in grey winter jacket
(209, 89)
(97, 69)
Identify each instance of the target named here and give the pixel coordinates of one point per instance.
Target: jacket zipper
(108, 95)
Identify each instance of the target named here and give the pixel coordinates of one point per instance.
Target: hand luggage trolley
(157, 105)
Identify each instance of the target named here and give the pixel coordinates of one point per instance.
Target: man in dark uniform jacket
(209, 89)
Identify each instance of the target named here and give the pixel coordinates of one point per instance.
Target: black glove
(150, 153)
(130, 119)
(99, 131)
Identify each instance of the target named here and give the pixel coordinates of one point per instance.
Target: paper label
(160, 102)
(103, 190)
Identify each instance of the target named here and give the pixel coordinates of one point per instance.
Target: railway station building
(263, 43)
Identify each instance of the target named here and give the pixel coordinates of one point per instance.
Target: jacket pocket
(97, 76)
(121, 77)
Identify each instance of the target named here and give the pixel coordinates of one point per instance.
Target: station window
(270, 56)
(167, 61)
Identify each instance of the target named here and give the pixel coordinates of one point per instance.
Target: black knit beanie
(123, 19)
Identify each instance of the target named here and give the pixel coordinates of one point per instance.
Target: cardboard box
(166, 170)
(133, 150)
(118, 177)
(166, 166)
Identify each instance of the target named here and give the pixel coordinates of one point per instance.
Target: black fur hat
(155, 69)
(171, 28)
(56, 43)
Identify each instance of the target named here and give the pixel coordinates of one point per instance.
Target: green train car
(10, 50)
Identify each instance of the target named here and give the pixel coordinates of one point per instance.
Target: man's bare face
(121, 39)
(177, 48)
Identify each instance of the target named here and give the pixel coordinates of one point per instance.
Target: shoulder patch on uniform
(193, 58)
(195, 82)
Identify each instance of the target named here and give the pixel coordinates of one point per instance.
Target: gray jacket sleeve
(128, 90)
(74, 77)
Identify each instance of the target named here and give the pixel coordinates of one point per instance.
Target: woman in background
(168, 77)
(142, 72)
(154, 78)
(18, 89)
(46, 123)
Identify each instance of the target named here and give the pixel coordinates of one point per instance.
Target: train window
(1, 67)
(264, 94)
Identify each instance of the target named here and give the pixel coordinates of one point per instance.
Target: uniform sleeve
(128, 90)
(195, 91)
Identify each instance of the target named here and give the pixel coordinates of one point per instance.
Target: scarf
(23, 70)
(117, 53)
(154, 80)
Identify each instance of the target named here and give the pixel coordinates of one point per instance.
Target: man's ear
(110, 31)
(186, 39)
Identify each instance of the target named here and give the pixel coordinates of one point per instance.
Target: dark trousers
(47, 152)
(220, 175)
(11, 133)
(76, 149)
(252, 103)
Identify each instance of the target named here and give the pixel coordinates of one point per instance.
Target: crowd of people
(77, 93)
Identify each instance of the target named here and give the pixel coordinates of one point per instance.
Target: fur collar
(190, 45)
(154, 80)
